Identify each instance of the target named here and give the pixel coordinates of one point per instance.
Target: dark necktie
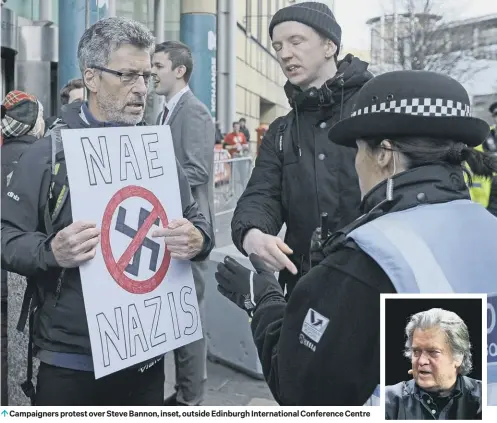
(164, 116)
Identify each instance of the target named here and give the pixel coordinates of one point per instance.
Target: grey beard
(116, 116)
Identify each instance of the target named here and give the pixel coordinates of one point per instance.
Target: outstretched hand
(246, 288)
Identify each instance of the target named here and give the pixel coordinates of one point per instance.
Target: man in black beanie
(299, 174)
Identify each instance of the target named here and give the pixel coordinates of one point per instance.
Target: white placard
(139, 302)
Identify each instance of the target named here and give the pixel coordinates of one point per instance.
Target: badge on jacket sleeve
(314, 326)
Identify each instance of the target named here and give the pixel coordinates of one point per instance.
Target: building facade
(465, 50)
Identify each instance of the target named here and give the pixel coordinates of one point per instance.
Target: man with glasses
(115, 61)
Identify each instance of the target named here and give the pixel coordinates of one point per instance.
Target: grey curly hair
(107, 35)
(455, 330)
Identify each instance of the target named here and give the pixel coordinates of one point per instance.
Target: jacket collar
(430, 184)
(77, 115)
(185, 95)
(352, 74)
(411, 388)
(88, 117)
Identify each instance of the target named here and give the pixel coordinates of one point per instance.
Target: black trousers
(60, 386)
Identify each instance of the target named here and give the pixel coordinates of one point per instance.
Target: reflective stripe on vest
(439, 248)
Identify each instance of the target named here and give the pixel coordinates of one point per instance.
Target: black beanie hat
(313, 14)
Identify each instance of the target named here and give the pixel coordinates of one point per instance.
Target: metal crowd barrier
(230, 179)
(231, 176)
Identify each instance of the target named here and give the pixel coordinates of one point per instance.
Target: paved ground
(226, 386)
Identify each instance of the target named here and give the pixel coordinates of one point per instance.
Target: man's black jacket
(310, 176)
(60, 324)
(406, 401)
(12, 150)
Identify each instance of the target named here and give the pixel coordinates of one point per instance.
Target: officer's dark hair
(179, 55)
(236, 122)
(420, 151)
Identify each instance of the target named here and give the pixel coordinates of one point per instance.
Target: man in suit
(193, 135)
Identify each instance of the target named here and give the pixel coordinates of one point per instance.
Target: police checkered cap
(431, 107)
(411, 104)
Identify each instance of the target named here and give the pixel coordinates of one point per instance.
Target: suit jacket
(193, 135)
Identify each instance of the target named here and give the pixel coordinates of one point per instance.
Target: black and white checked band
(418, 107)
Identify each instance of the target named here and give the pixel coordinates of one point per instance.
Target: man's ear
(457, 363)
(91, 80)
(180, 72)
(331, 49)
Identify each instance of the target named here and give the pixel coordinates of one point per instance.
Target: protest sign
(139, 302)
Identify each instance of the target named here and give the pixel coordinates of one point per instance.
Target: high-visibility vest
(480, 187)
(439, 248)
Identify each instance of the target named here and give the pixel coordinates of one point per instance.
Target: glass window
(268, 21)
(26, 8)
(488, 36)
(248, 17)
(260, 17)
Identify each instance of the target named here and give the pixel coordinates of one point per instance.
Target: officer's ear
(385, 155)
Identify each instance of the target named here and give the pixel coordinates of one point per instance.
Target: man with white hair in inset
(439, 347)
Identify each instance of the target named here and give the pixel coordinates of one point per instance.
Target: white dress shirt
(171, 104)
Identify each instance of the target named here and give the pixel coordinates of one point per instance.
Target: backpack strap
(27, 386)
(59, 188)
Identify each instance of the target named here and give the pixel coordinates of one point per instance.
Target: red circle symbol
(117, 268)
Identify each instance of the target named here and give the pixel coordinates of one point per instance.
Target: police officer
(414, 131)
(493, 131)
(484, 188)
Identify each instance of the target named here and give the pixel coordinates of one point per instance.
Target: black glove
(244, 287)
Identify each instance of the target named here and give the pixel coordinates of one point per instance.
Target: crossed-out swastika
(129, 261)
(134, 267)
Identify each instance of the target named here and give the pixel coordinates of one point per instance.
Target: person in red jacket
(235, 142)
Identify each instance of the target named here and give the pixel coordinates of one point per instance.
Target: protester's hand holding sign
(182, 239)
(269, 248)
(75, 244)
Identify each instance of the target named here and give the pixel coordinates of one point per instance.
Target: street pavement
(226, 386)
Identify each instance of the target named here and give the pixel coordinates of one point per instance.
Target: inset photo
(433, 356)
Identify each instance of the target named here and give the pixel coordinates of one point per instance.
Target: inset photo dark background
(397, 314)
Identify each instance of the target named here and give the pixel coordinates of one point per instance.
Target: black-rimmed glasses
(127, 78)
